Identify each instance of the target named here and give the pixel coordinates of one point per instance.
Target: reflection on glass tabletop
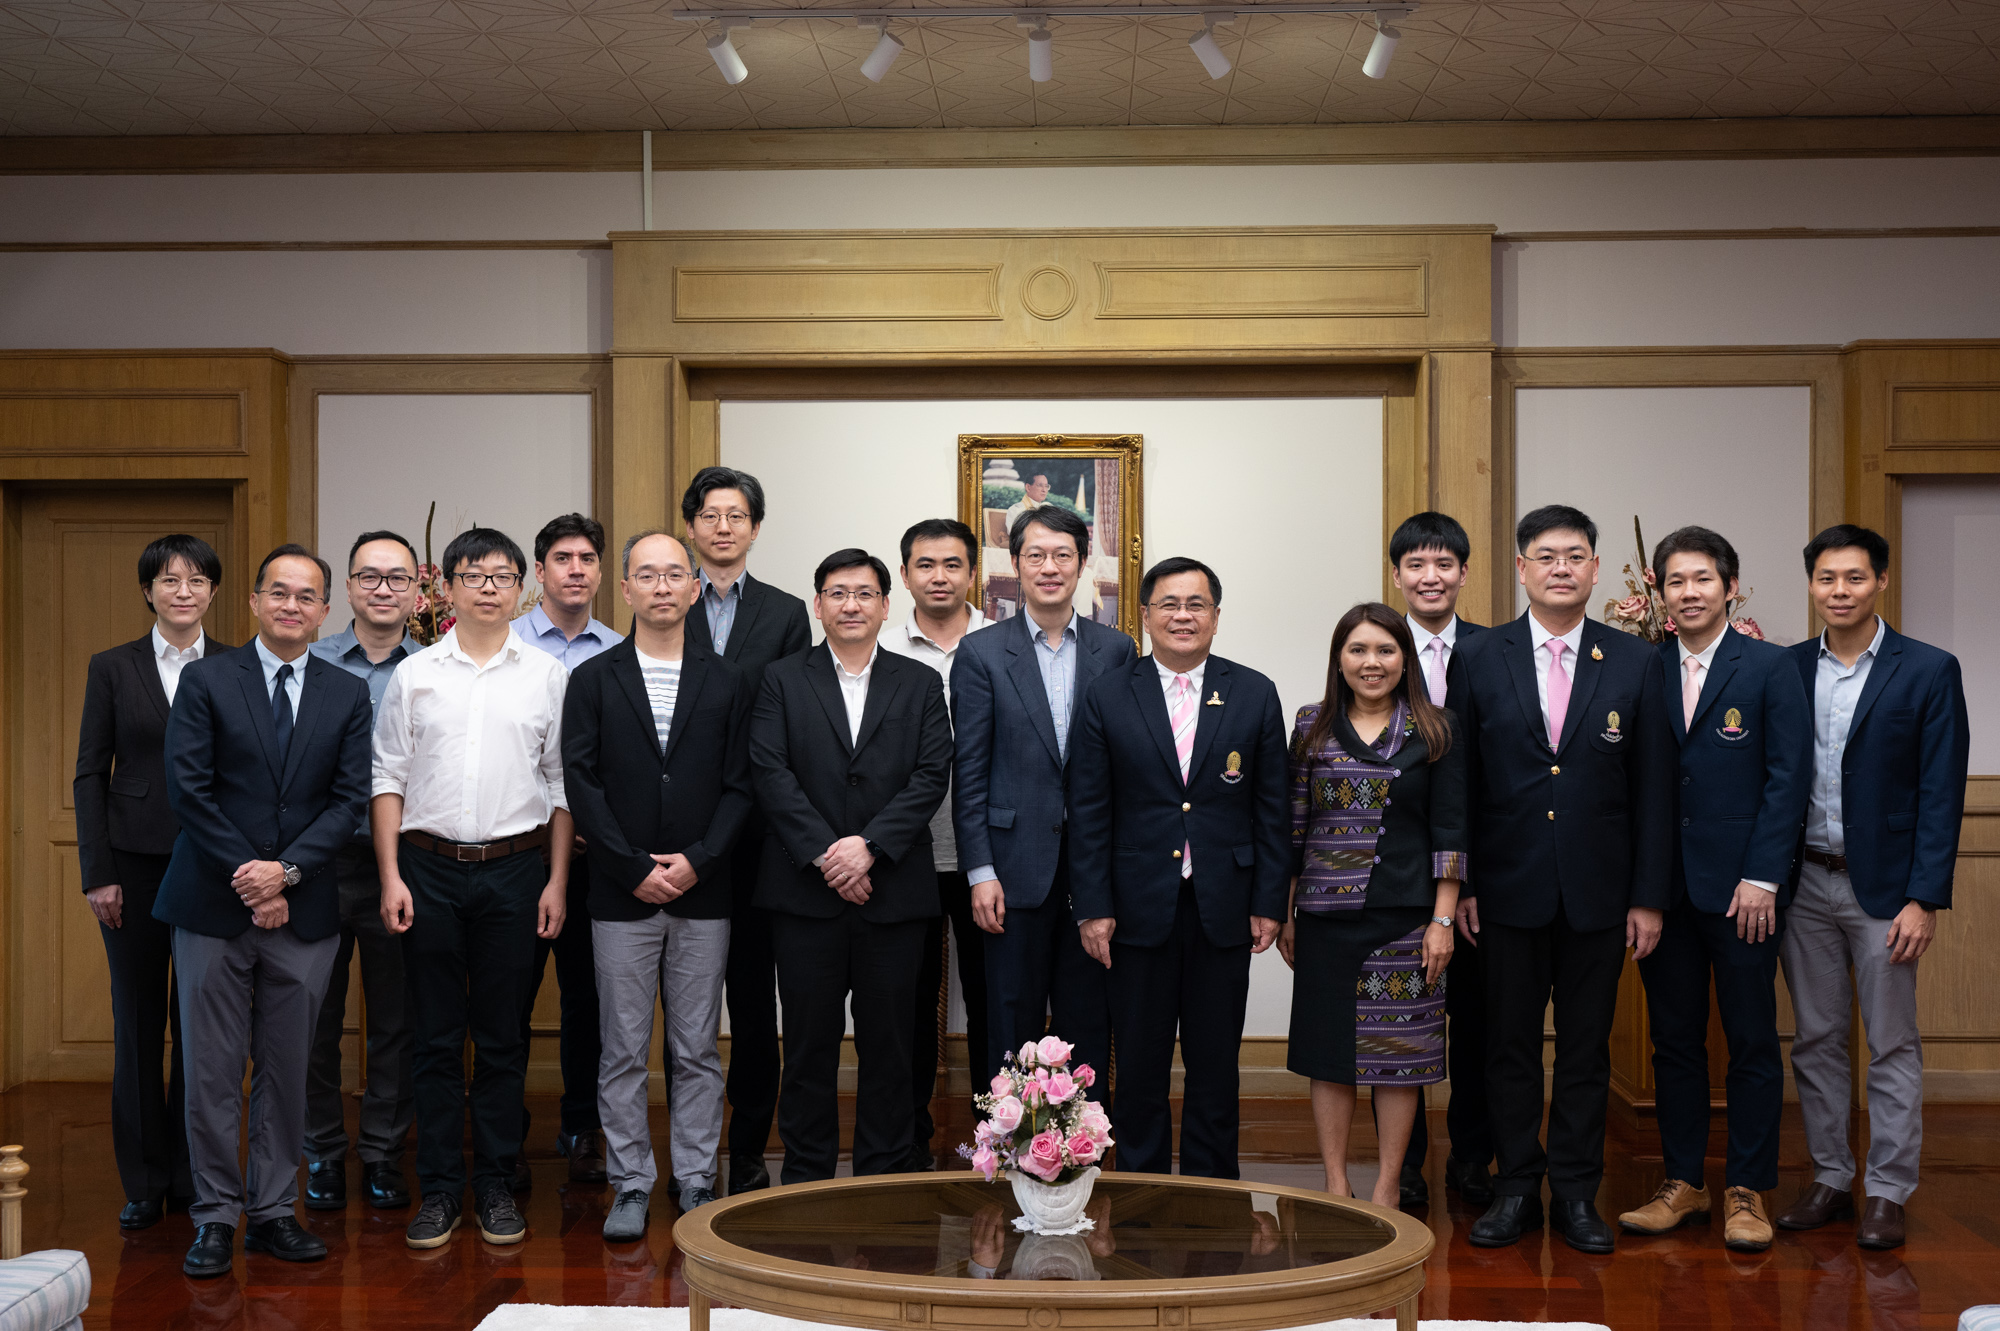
(958, 1225)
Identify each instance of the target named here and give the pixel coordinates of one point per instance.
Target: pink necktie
(1434, 670)
(1183, 721)
(1691, 690)
(1558, 691)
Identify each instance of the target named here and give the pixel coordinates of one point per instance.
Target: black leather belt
(1837, 863)
(479, 852)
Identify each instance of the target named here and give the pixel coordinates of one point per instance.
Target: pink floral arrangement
(1039, 1121)
(1642, 611)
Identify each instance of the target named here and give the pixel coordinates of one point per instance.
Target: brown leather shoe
(1747, 1229)
(1816, 1206)
(1676, 1203)
(1881, 1224)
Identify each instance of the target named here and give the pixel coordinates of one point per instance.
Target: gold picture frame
(1099, 475)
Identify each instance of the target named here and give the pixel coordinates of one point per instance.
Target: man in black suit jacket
(851, 750)
(749, 624)
(267, 751)
(1013, 712)
(125, 832)
(1181, 745)
(656, 764)
(1572, 787)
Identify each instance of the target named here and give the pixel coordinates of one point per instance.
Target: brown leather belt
(1837, 863)
(479, 852)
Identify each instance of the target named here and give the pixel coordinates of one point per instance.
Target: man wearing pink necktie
(1428, 561)
(1572, 770)
(1182, 747)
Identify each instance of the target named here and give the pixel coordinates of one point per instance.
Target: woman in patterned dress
(1378, 851)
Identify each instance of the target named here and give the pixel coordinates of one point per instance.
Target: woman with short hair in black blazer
(1378, 847)
(125, 835)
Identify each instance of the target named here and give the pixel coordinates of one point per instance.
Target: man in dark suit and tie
(1429, 560)
(267, 758)
(1745, 765)
(749, 624)
(1015, 691)
(1891, 747)
(851, 751)
(1181, 747)
(1572, 785)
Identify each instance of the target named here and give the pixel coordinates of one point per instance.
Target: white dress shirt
(1167, 678)
(909, 640)
(1537, 635)
(1423, 638)
(170, 659)
(1836, 690)
(854, 691)
(1707, 658)
(295, 687)
(475, 751)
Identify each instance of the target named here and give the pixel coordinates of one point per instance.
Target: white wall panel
(1951, 545)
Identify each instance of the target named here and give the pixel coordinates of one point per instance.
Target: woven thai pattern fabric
(1337, 804)
(1398, 1016)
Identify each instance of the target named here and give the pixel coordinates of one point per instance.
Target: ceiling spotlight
(1041, 47)
(1380, 50)
(1204, 46)
(884, 55)
(723, 52)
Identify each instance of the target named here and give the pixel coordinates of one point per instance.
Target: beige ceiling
(99, 67)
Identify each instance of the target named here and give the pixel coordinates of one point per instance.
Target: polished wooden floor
(371, 1280)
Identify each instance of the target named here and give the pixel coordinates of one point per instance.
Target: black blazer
(1588, 826)
(1745, 770)
(631, 801)
(816, 786)
(1130, 814)
(770, 625)
(121, 760)
(235, 804)
(1454, 673)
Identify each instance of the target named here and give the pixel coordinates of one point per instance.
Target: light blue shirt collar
(269, 660)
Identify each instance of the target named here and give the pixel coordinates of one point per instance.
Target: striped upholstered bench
(44, 1291)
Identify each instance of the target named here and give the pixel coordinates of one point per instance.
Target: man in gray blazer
(1014, 689)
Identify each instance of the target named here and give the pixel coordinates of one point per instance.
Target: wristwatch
(1445, 920)
(873, 849)
(292, 874)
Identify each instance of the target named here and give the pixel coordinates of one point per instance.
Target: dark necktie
(281, 713)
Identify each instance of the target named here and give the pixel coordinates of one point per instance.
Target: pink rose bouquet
(1039, 1120)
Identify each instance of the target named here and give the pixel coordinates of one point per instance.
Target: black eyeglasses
(475, 581)
(368, 580)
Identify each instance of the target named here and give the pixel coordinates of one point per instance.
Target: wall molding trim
(848, 149)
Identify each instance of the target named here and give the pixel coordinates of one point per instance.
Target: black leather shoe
(326, 1186)
(747, 1174)
(139, 1215)
(1505, 1221)
(213, 1249)
(523, 1179)
(1469, 1181)
(1581, 1226)
(285, 1239)
(585, 1156)
(1411, 1189)
(386, 1189)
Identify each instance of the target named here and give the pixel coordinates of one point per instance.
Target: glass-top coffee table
(911, 1252)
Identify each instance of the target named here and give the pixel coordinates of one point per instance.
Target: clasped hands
(671, 876)
(845, 867)
(260, 885)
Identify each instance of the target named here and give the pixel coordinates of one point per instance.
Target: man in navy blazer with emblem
(1745, 742)
(1890, 750)
(1572, 778)
(268, 768)
(1014, 691)
(1181, 747)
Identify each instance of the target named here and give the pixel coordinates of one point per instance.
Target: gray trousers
(388, 1104)
(257, 997)
(679, 963)
(1826, 933)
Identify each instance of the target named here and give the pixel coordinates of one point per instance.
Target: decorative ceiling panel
(97, 67)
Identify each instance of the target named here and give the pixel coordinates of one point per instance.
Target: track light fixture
(1041, 47)
(1380, 50)
(1204, 46)
(723, 51)
(884, 55)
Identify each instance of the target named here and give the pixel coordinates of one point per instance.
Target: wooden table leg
(1406, 1315)
(698, 1311)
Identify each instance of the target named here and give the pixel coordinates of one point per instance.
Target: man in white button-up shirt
(468, 797)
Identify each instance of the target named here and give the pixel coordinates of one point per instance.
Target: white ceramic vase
(1053, 1208)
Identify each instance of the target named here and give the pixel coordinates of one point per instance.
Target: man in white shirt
(938, 561)
(468, 796)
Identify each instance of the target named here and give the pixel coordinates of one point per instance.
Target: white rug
(552, 1317)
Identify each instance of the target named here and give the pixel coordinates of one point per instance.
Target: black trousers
(148, 1106)
(469, 956)
(1693, 946)
(1040, 980)
(1525, 969)
(965, 937)
(576, 981)
(750, 987)
(1186, 984)
(388, 1105)
(821, 964)
(1465, 1118)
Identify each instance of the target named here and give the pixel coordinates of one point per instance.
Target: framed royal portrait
(1095, 476)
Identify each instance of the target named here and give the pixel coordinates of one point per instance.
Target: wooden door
(78, 594)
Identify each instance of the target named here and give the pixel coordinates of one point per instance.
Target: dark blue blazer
(1008, 780)
(1902, 775)
(236, 805)
(1454, 673)
(1129, 821)
(1746, 770)
(1588, 826)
